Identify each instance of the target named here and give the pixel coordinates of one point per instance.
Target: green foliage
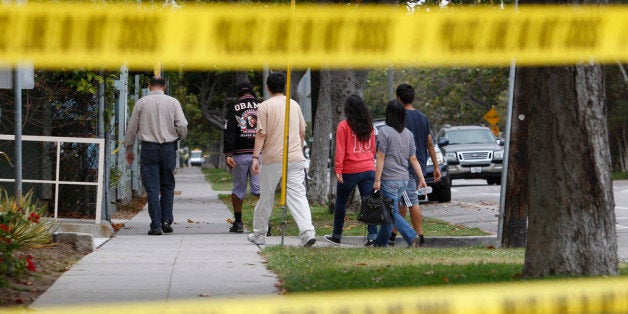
(620, 175)
(21, 224)
(199, 132)
(446, 95)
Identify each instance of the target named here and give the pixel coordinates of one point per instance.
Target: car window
(470, 137)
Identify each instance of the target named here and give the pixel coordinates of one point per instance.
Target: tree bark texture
(295, 78)
(571, 227)
(318, 186)
(515, 222)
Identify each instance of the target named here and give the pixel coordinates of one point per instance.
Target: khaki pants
(296, 200)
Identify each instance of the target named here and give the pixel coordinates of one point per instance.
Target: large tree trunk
(318, 186)
(515, 222)
(571, 208)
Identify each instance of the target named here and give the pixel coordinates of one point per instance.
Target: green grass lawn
(220, 179)
(334, 268)
(323, 221)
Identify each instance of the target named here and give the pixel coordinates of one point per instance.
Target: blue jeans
(364, 181)
(393, 189)
(157, 170)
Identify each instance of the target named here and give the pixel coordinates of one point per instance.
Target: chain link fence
(53, 108)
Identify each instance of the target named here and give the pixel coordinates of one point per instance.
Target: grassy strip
(328, 269)
(323, 269)
(323, 221)
(220, 179)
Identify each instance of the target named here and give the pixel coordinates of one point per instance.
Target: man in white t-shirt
(269, 140)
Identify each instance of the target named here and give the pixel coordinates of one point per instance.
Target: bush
(21, 225)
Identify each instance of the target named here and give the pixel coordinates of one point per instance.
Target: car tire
(432, 197)
(443, 193)
(494, 180)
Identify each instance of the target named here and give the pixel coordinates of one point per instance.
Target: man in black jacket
(239, 139)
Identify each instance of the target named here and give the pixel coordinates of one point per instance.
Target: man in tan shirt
(269, 140)
(158, 122)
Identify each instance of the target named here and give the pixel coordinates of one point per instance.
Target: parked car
(472, 152)
(441, 191)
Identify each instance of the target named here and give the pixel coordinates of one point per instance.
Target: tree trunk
(516, 204)
(318, 186)
(571, 207)
(315, 76)
(295, 78)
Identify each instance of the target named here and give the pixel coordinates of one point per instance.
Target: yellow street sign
(491, 116)
(495, 130)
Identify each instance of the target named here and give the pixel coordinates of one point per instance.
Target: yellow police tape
(55, 35)
(603, 295)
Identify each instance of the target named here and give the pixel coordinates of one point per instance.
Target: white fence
(57, 182)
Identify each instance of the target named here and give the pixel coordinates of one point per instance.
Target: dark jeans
(157, 170)
(364, 181)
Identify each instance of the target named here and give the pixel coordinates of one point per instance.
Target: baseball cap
(245, 88)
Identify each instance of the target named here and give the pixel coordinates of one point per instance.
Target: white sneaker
(259, 240)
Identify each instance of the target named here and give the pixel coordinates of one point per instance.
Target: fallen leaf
(445, 279)
(190, 221)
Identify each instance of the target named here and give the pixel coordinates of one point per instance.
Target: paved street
(476, 204)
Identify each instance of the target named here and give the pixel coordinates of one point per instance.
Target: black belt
(145, 142)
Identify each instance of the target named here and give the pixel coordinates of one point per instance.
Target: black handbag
(376, 210)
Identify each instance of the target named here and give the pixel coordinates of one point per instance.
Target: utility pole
(18, 132)
(391, 94)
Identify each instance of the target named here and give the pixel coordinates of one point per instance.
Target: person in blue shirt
(419, 125)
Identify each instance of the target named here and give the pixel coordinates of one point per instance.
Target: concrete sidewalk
(200, 259)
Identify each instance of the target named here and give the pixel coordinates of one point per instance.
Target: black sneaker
(391, 240)
(154, 232)
(237, 227)
(332, 239)
(166, 227)
(369, 243)
(268, 232)
(421, 239)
